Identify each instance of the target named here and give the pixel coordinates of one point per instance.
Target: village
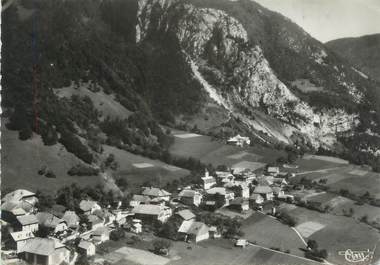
(89, 226)
(59, 235)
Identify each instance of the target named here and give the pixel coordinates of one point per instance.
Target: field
(21, 161)
(339, 175)
(217, 152)
(334, 233)
(269, 232)
(222, 252)
(138, 169)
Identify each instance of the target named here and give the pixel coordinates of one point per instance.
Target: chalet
(190, 197)
(225, 193)
(208, 181)
(241, 243)
(139, 199)
(239, 204)
(71, 219)
(45, 251)
(51, 221)
(20, 195)
(193, 231)
(239, 140)
(186, 215)
(86, 248)
(156, 193)
(273, 171)
(149, 212)
(20, 238)
(265, 191)
(88, 206)
(100, 235)
(27, 223)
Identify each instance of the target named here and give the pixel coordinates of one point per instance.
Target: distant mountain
(362, 52)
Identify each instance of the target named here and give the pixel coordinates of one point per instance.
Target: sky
(330, 19)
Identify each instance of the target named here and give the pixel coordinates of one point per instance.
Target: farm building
(139, 199)
(156, 193)
(45, 251)
(150, 212)
(87, 248)
(193, 231)
(20, 195)
(190, 197)
(239, 140)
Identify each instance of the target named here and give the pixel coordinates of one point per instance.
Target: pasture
(268, 232)
(217, 152)
(223, 252)
(21, 161)
(138, 169)
(338, 232)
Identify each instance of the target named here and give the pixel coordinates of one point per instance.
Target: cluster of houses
(237, 189)
(24, 222)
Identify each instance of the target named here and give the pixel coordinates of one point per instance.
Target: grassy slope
(159, 174)
(104, 103)
(21, 161)
(340, 233)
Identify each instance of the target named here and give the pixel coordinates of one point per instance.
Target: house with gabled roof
(45, 251)
(186, 214)
(156, 193)
(28, 223)
(227, 194)
(20, 238)
(150, 212)
(193, 231)
(20, 195)
(138, 199)
(265, 191)
(190, 197)
(71, 219)
(89, 206)
(51, 221)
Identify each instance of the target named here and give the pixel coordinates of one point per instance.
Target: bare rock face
(236, 74)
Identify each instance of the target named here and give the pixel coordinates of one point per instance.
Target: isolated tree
(161, 246)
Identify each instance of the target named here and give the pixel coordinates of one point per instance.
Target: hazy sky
(330, 19)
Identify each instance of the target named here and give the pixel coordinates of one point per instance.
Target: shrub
(75, 146)
(25, 133)
(50, 174)
(161, 246)
(117, 234)
(82, 170)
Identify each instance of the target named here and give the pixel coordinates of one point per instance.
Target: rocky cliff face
(237, 75)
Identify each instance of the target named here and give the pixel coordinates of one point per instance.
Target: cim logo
(357, 256)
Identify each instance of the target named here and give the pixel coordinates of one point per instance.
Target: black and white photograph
(190, 132)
